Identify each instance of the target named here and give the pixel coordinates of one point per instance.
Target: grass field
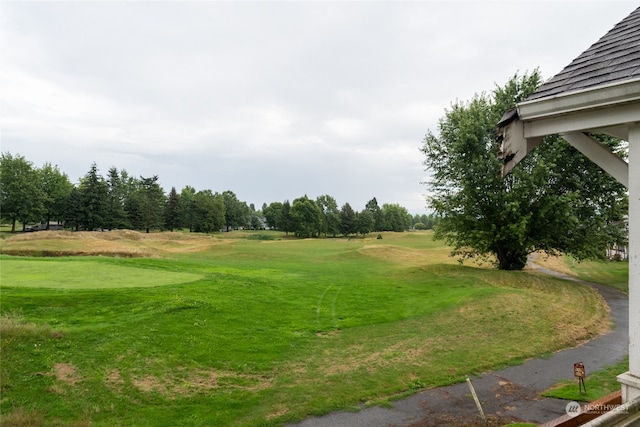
(224, 330)
(612, 273)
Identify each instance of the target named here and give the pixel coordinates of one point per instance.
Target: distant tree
(73, 212)
(255, 223)
(555, 200)
(273, 215)
(209, 212)
(378, 215)
(330, 224)
(306, 217)
(347, 220)
(55, 190)
(286, 220)
(148, 203)
(173, 212)
(236, 212)
(94, 200)
(396, 217)
(189, 207)
(429, 221)
(20, 191)
(365, 222)
(120, 188)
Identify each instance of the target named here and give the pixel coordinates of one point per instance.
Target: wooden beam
(513, 145)
(600, 155)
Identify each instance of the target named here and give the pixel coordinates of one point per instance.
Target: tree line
(45, 195)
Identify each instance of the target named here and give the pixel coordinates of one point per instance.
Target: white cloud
(271, 100)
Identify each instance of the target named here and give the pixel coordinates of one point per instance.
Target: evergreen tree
(94, 194)
(119, 191)
(173, 217)
(146, 207)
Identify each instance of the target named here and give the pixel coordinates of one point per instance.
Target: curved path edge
(511, 394)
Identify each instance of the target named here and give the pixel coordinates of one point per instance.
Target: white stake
(475, 397)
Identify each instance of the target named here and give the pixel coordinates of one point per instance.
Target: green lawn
(254, 332)
(611, 273)
(68, 273)
(598, 384)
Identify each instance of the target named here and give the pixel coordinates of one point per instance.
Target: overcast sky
(271, 100)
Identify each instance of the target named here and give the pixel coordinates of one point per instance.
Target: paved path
(511, 394)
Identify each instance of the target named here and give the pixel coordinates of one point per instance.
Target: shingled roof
(612, 59)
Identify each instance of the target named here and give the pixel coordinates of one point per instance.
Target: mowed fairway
(230, 331)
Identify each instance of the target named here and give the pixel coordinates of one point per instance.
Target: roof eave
(581, 100)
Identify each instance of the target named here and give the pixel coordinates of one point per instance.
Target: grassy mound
(122, 243)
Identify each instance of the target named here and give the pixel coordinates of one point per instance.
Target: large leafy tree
(189, 207)
(365, 222)
(209, 211)
(330, 224)
(273, 214)
(55, 189)
(236, 212)
(20, 190)
(378, 216)
(306, 217)
(556, 200)
(396, 217)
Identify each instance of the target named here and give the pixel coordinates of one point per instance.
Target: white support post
(631, 380)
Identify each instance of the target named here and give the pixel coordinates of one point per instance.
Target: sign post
(578, 372)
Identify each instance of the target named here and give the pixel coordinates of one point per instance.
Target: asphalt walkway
(511, 394)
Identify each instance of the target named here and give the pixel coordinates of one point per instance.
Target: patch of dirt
(183, 383)
(66, 373)
(329, 333)
(149, 384)
(507, 388)
(114, 380)
(407, 351)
